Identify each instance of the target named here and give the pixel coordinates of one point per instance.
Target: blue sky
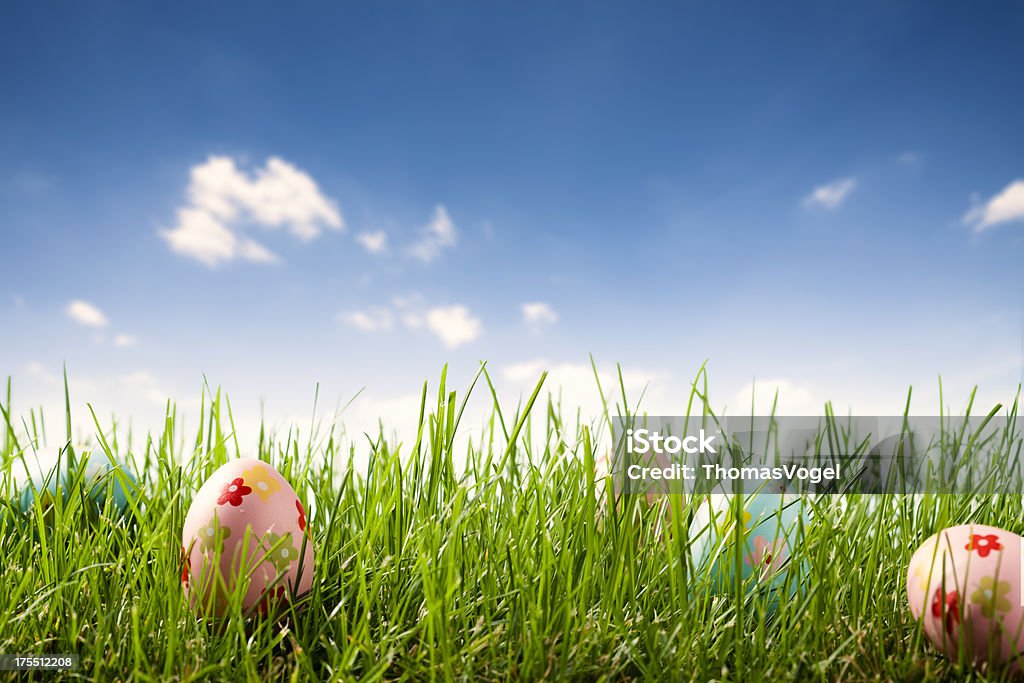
(821, 197)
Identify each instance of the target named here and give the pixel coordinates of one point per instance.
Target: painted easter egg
(102, 482)
(246, 535)
(964, 585)
(755, 533)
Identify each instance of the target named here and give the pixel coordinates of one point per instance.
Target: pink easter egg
(964, 584)
(245, 525)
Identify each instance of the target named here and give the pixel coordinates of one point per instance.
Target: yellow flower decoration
(921, 574)
(922, 569)
(262, 482)
(991, 596)
(724, 520)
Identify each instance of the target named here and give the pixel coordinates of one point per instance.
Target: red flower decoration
(186, 566)
(984, 544)
(302, 516)
(948, 604)
(233, 492)
(271, 599)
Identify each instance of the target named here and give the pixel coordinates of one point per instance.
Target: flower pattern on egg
(990, 596)
(767, 555)
(930, 554)
(186, 567)
(271, 599)
(946, 608)
(921, 574)
(233, 492)
(211, 537)
(262, 482)
(724, 521)
(983, 544)
(281, 550)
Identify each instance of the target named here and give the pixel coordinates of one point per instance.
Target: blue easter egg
(751, 537)
(99, 479)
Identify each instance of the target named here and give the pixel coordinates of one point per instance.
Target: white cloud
(438, 234)
(1005, 207)
(371, 320)
(223, 198)
(794, 398)
(143, 384)
(125, 341)
(85, 313)
(136, 396)
(256, 252)
(577, 383)
(831, 195)
(39, 371)
(575, 387)
(407, 301)
(370, 412)
(408, 307)
(538, 313)
(413, 321)
(373, 242)
(910, 158)
(200, 236)
(453, 325)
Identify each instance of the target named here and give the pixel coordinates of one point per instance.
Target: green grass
(499, 563)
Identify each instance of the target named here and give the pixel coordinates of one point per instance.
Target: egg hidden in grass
(763, 529)
(100, 479)
(964, 585)
(245, 531)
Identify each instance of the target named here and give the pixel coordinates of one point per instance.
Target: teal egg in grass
(752, 538)
(99, 480)
(7, 516)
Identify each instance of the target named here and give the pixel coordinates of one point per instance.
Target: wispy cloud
(538, 314)
(89, 315)
(909, 158)
(453, 325)
(575, 384)
(831, 195)
(125, 341)
(437, 235)
(374, 319)
(223, 198)
(144, 384)
(373, 242)
(1005, 207)
(794, 398)
(85, 313)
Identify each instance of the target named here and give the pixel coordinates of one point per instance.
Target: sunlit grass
(507, 561)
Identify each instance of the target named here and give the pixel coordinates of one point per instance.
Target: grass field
(500, 563)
